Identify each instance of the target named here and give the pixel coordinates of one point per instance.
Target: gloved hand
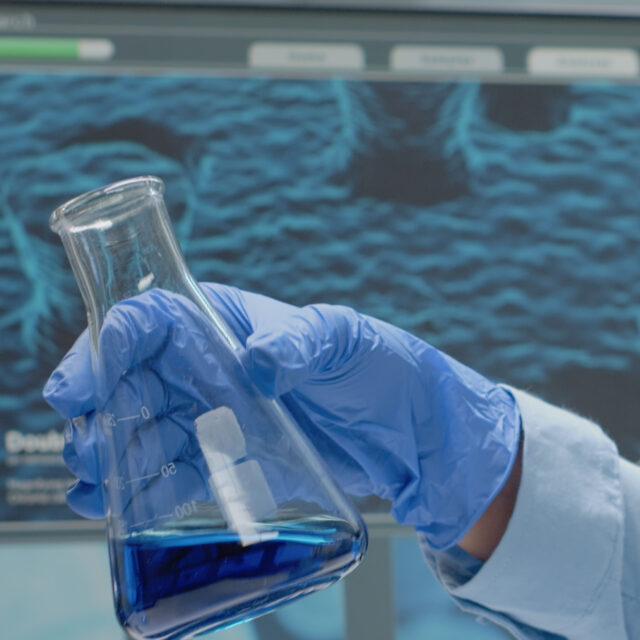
(160, 373)
(391, 415)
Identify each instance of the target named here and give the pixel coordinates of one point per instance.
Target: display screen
(492, 214)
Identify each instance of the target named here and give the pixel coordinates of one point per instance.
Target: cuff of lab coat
(562, 550)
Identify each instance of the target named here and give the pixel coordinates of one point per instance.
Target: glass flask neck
(120, 243)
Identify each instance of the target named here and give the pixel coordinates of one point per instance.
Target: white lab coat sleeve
(568, 564)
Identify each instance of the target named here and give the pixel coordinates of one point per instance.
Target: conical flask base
(176, 583)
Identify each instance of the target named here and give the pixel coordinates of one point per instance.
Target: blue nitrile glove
(391, 415)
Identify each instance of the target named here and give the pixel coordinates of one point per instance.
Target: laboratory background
(467, 171)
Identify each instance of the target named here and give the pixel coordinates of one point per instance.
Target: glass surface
(218, 507)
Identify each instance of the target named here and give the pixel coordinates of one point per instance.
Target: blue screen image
(498, 222)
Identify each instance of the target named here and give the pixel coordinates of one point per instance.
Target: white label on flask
(219, 432)
(240, 488)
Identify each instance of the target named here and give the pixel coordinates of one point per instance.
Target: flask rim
(82, 209)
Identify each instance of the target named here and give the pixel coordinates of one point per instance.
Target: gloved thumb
(69, 389)
(305, 344)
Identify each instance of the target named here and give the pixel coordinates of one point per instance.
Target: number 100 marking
(185, 510)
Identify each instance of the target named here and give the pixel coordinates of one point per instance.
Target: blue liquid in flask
(174, 584)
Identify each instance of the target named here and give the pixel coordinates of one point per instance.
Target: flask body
(218, 507)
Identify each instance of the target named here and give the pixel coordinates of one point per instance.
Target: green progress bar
(55, 48)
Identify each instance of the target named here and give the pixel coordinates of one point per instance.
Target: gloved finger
(82, 440)
(229, 303)
(153, 447)
(86, 500)
(70, 388)
(246, 312)
(138, 328)
(138, 397)
(309, 342)
(195, 369)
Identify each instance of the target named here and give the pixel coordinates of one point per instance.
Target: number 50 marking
(168, 470)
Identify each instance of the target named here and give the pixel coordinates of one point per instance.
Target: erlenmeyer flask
(218, 507)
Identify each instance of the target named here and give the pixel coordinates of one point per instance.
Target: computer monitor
(470, 178)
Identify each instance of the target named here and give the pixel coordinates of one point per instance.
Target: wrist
(485, 535)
